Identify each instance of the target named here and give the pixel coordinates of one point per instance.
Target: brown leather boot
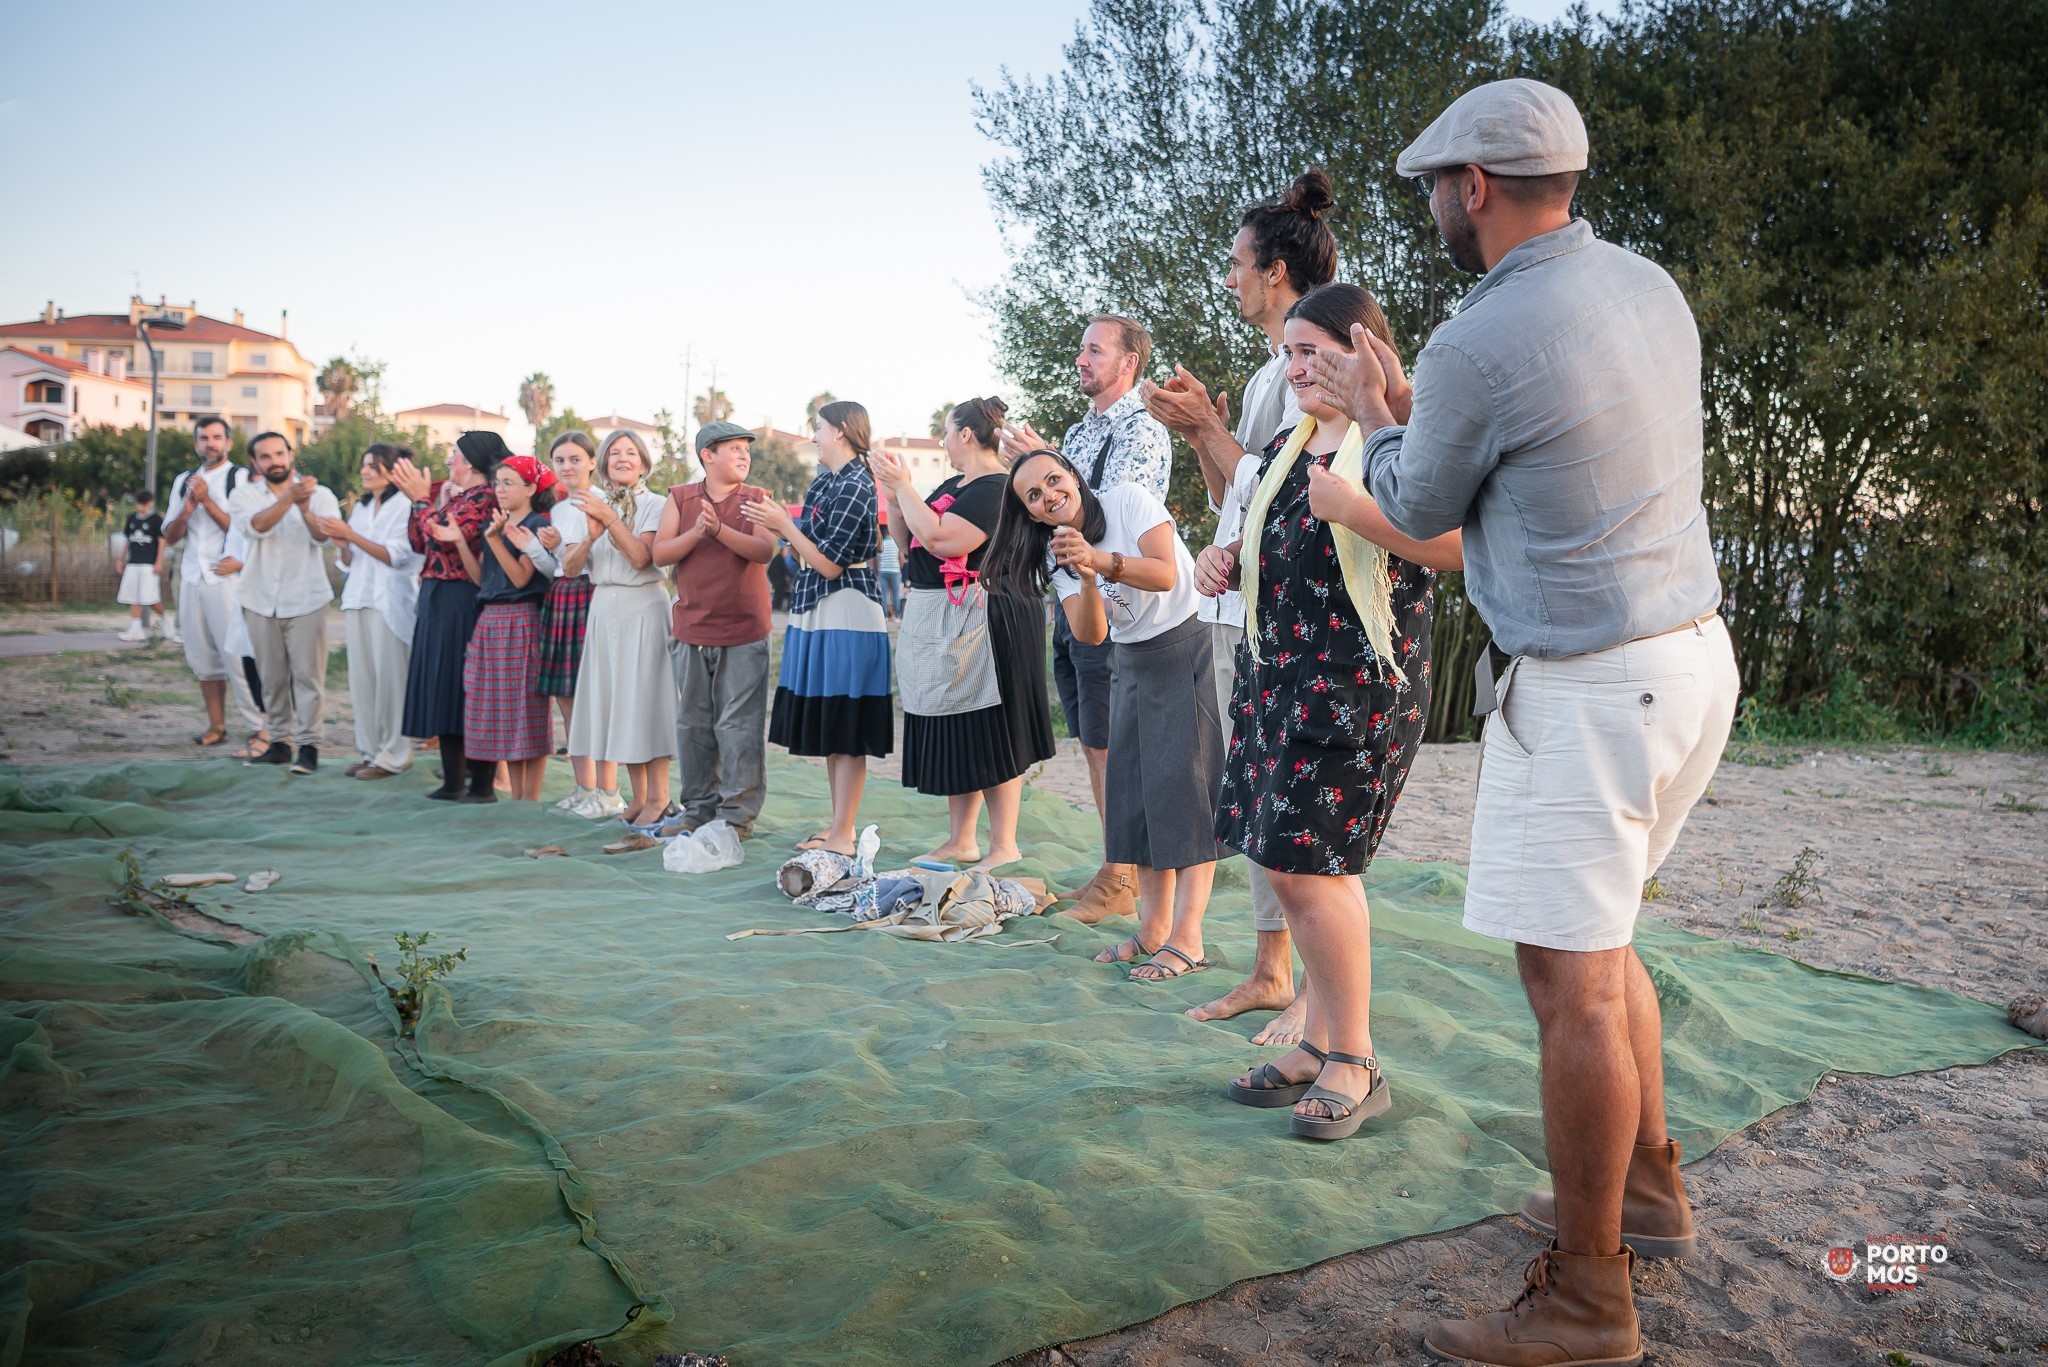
(1656, 1218)
(1574, 1312)
(1113, 891)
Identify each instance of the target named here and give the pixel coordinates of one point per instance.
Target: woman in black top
(505, 715)
(970, 665)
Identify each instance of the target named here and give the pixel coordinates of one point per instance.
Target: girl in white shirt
(1122, 572)
(565, 620)
(377, 603)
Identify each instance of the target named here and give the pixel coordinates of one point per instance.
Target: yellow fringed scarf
(1364, 564)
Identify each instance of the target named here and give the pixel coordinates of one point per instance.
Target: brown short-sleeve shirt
(721, 596)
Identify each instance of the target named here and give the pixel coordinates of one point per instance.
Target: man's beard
(277, 476)
(1461, 239)
(1091, 387)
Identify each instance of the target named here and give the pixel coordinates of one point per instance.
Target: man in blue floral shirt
(1117, 442)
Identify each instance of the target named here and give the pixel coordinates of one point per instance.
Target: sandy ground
(1919, 865)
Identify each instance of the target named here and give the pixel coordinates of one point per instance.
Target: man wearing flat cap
(1557, 420)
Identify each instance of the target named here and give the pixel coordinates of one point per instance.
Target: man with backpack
(197, 516)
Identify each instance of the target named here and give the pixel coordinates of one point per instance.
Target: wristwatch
(1115, 574)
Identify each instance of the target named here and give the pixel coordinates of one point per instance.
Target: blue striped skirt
(833, 694)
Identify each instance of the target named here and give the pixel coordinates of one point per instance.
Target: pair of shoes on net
(1576, 1310)
(591, 805)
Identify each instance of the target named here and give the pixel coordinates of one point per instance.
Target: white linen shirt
(1269, 409)
(205, 540)
(1136, 614)
(1141, 453)
(608, 566)
(391, 590)
(285, 574)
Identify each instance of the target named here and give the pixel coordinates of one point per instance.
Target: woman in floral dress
(1331, 699)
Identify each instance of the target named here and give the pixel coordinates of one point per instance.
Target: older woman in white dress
(625, 709)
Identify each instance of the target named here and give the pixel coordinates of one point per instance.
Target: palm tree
(338, 385)
(537, 399)
(818, 401)
(711, 406)
(939, 416)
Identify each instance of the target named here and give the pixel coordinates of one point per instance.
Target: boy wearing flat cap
(1557, 420)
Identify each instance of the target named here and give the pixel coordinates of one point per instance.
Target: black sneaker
(277, 752)
(308, 761)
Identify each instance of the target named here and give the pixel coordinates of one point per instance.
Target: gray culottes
(1165, 752)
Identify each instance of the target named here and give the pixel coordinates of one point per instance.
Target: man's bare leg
(215, 694)
(1646, 1041)
(1270, 987)
(1593, 1096)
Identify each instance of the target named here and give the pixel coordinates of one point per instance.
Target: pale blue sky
(470, 193)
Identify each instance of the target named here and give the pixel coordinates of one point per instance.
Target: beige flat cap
(1511, 128)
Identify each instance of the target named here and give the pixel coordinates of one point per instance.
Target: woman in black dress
(969, 664)
(1332, 695)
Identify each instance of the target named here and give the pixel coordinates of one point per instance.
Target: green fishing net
(618, 1124)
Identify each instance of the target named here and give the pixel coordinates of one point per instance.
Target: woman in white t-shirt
(1122, 572)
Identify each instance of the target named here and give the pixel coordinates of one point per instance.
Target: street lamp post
(169, 324)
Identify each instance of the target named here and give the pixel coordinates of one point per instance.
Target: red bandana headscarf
(531, 472)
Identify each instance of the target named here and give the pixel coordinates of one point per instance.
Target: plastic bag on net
(711, 847)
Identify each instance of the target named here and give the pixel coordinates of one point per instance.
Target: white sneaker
(133, 633)
(575, 800)
(606, 804)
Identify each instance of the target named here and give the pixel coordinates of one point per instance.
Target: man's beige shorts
(1587, 771)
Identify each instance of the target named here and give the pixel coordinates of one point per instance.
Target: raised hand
(550, 537)
(595, 508)
(522, 538)
(1018, 441)
(412, 481)
(445, 531)
(496, 526)
(1354, 383)
(1400, 393)
(888, 468)
(1215, 571)
(302, 489)
(708, 525)
(1182, 404)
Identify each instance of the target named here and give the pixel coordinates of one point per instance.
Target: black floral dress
(1320, 744)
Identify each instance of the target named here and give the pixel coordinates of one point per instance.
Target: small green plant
(1796, 931)
(1653, 890)
(1752, 922)
(2013, 802)
(1936, 769)
(415, 972)
(1898, 1359)
(117, 696)
(1797, 884)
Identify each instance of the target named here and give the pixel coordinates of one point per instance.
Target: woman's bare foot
(954, 854)
(1253, 994)
(997, 858)
(1347, 1079)
(1124, 952)
(1286, 1027)
(1297, 1065)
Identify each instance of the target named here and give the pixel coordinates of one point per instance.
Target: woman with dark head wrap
(447, 608)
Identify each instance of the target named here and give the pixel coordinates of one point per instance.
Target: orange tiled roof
(116, 327)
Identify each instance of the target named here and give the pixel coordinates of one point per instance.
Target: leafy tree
(818, 401)
(711, 406)
(675, 451)
(537, 399)
(335, 457)
(939, 416)
(779, 468)
(550, 428)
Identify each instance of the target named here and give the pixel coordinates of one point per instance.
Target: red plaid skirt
(504, 715)
(564, 617)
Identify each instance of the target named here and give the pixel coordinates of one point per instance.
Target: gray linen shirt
(1557, 420)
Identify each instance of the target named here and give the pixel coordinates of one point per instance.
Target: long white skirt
(625, 695)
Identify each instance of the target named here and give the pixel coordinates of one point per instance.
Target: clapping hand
(1365, 384)
(445, 531)
(302, 489)
(412, 481)
(764, 511)
(1215, 571)
(1182, 403)
(1019, 440)
(522, 538)
(551, 537)
(496, 526)
(1071, 551)
(595, 508)
(708, 525)
(888, 468)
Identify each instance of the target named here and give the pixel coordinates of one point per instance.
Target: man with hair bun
(1556, 418)
(1283, 249)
